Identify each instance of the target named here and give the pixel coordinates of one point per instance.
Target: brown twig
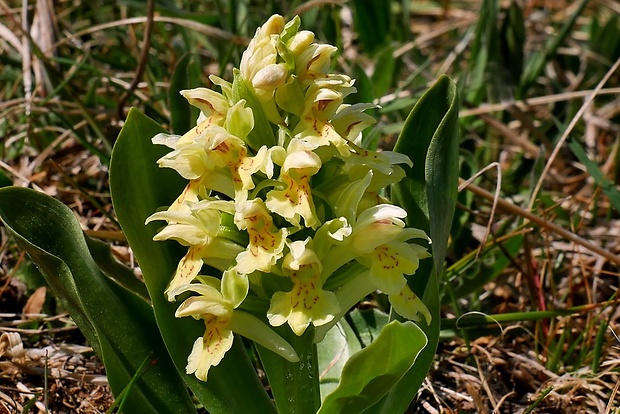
(569, 129)
(511, 208)
(144, 57)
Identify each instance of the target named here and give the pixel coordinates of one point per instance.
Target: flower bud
(270, 77)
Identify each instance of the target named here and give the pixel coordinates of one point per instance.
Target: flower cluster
(283, 203)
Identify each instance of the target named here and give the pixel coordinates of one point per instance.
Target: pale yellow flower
(216, 304)
(307, 302)
(322, 101)
(266, 240)
(197, 229)
(300, 163)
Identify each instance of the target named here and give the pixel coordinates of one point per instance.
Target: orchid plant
(268, 220)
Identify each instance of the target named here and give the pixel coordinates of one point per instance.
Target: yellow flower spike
(266, 241)
(295, 201)
(307, 302)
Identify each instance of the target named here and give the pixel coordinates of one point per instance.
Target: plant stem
(295, 385)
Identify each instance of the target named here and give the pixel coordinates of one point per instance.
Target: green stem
(475, 320)
(295, 386)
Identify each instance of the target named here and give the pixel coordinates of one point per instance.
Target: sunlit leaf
(364, 381)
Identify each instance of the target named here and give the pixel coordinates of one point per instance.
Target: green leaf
(295, 385)
(364, 381)
(262, 134)
(430, 139)
(121, 274)
(402, 394)
(368, 324)
(186, 75)
(118, 324)
(428, 194)
(139, 187)
(334, 351)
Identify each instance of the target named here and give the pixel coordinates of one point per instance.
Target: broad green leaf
(368, 324)
(121, 274)
(364, 381)
(334, 351)
(428, 194)
(400, 397)
(186, 75)
(139, 187)
(119, 325)
(430, 139)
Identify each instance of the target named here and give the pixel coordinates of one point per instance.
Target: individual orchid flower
(213, 106)
(307, 302)
(406, 303)
(216, 304)
(322, 101)
(266, 240)
(350, 120)
(312, 61)
(299, 164)
(198, 230)
(379, 238)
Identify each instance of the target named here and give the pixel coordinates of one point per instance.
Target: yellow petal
(209, 350)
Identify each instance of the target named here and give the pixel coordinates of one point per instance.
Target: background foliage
(528, 310)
